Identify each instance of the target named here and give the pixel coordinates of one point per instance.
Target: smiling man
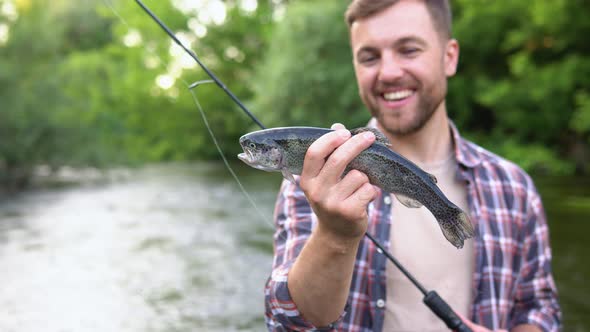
(327, 276)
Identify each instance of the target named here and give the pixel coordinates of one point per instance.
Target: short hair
(440, 12)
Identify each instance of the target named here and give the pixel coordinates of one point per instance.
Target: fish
(283, 149)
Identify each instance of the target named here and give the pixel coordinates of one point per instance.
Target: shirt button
(380, 303)
(387, 200)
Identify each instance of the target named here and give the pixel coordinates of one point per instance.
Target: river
(178, 247)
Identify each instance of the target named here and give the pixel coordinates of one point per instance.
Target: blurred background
(116, 213)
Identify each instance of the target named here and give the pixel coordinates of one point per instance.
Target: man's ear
(451, 57)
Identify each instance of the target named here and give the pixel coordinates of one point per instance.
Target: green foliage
(307, 76)
(580, 121)
(520, 74)
(33, 128)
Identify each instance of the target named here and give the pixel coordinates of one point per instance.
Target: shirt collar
(465, 153)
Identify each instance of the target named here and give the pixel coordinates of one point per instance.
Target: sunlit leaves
(307, 76)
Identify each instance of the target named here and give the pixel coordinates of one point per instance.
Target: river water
(180, 248)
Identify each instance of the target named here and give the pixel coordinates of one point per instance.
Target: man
(328, 276)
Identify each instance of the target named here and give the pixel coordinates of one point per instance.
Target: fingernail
(368, 135)
(343, 133)
(337, 125)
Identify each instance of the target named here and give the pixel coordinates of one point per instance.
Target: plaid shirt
(512, 280)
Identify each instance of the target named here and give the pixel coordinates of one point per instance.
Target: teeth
(397, 95)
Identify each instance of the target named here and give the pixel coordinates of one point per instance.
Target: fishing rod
(194, 56)
(431, 298)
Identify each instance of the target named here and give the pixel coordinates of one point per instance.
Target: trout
(283, 150)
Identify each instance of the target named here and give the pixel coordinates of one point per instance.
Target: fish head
(261, 153)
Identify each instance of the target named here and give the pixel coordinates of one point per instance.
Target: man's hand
(320, 278)
(340, 203)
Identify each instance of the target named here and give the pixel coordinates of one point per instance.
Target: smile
(397, 95)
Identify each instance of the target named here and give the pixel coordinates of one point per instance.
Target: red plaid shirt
(512, 278)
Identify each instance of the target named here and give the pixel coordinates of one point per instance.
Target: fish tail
(457, 228)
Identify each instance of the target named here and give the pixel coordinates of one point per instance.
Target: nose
(390, 69)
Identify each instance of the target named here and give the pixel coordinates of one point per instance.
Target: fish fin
(432, 177)
(380, 138)
(288, 175)
(407, 201)
(458, 229)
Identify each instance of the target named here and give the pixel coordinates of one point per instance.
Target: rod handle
(444, 312)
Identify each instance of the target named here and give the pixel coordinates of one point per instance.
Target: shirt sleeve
(294, 222)
(536, 293)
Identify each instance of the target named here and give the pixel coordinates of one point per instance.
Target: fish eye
(252, 145)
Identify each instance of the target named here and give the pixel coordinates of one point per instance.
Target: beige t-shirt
(418, 243)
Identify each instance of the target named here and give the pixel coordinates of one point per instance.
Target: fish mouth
(251, 161)
(245, 157)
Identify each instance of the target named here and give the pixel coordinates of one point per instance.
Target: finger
(349, 184)
(337, 126)
(364, 195)
(344, 154)
(316, 154)
(355, 205)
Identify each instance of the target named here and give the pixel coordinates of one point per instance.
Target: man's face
(402, 64)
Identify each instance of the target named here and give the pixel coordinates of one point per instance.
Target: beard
(407, 122)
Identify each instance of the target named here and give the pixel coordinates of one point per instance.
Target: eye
(368, 61)
(366, 57)
(252, 145)
(409, 51)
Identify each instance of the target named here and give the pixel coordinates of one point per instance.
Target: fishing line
(190, 88)
(112, 8)
(225, 161)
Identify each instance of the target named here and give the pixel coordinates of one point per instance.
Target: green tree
(113, 88)
(524, 70)
(307, 76)
(32, 127)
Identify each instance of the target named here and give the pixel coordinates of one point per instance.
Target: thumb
(337, 126)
